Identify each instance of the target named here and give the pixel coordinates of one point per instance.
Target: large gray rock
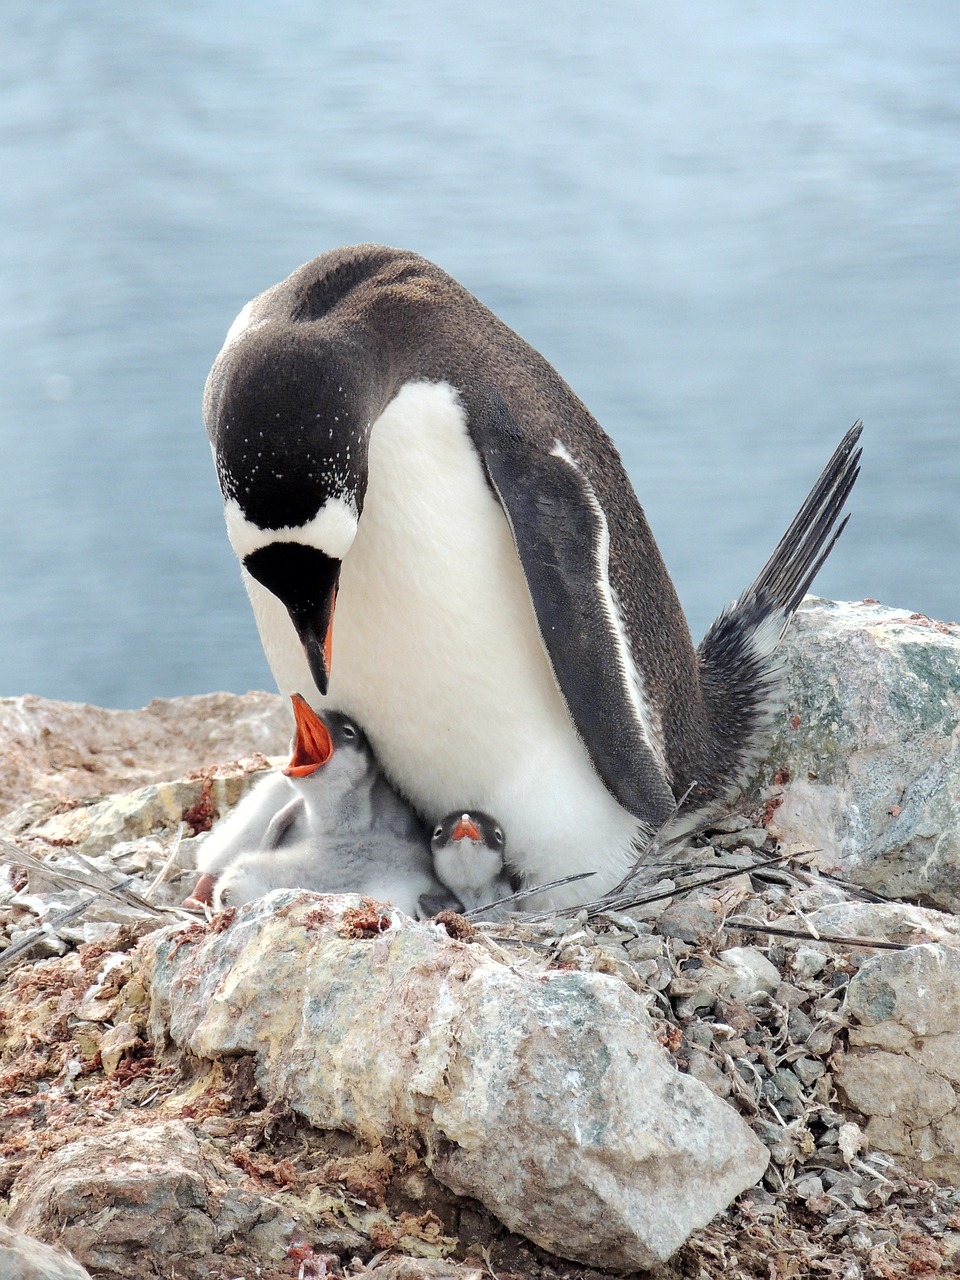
(546, 1095)
(870, 738)
(903, 1066)
(24, 1258)
(890, 921)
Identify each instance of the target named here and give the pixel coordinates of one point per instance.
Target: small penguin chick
(318, 789)
(468, 857)
(337, 827)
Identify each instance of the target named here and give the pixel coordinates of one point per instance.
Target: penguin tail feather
(740, 672)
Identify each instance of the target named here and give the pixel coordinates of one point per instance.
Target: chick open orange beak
(466, 829)
(313, 746)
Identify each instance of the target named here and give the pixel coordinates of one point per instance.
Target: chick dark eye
(438, 833)
(349, 732)
(498, 835)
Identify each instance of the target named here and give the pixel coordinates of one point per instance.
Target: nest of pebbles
(744, 993)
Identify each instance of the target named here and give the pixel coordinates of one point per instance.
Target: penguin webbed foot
(431, 904)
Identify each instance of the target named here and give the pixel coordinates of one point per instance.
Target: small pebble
(732, 822)
(648, 948)
(788, 1084)
(789, 995)
(820, 1041)
(808, 962)
(751, 837)
(799, 1025)
(809, 1186)
(807, 1070)
(687, 921)
(698, 1033)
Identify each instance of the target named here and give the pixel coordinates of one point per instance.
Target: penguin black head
(289, 430)
(468, 857)
(476, 827)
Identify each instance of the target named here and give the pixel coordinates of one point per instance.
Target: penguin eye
(498, 835)
(349, 732)
(438, 832)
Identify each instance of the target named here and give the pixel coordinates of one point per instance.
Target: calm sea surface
(733, 227)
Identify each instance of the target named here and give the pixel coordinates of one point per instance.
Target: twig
(840, 939)
(16, 949)
(119, 889)
(626, 901)
(171, 859)
(526, 893)
(94, 879)
(641, 862)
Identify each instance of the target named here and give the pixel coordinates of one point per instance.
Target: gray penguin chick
(468, 858)
(274, 811)
(376, 862)
(329, 822)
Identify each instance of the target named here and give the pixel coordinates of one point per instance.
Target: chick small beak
(466, 829)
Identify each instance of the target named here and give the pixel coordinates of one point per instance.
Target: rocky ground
(823, 1013)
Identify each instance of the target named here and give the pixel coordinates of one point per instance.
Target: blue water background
(733, 227)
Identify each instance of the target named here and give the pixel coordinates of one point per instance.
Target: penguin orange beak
(466, 829)
(319, 656)
(305, 580)
(313, 746)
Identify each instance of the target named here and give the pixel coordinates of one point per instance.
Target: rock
(688, 921)
(749, 972)
(115, 1043)
(69, 751)
(545, 1096)
(889, 921)
(808, 962)
(144, 1190)
(98, 828)
(868, 738)
(918, 989)
(422, 1269)
(739, 974)
(903, 1066)
(24, 1258)
(745, 837)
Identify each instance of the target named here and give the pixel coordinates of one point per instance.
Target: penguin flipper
(281, 823)
(246, 826)
(561, 536)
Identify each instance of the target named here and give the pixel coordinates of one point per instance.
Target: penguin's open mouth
(313, 746)
(466, 829)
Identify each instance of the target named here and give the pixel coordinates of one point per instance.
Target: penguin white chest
(435, 637)
(437, 651)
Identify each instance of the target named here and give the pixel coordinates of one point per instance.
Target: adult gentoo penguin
(438, 537)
